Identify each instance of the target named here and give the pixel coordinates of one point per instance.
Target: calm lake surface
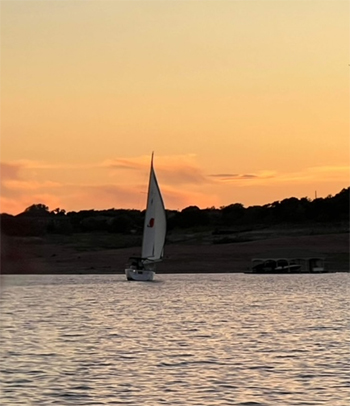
(226, 339)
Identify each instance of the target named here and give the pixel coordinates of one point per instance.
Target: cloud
(181, 170)
(233, 176)
(305, 175)
(330, 169)
(120, 163)
(316, 173)
(20, 188)
(9, 170)
(14, 169)
(11, 206)
(227, 177)
(175, 170)
(224, 175)
(83, 197)
(176, 199)
(122, 183)
(29, 185)
(133, 196)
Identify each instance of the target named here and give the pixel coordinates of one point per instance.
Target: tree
(233, 214)
(120, 224)
(37, 209)
(191, 216)
(59, 212)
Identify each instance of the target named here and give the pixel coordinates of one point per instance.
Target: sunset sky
(241, 101)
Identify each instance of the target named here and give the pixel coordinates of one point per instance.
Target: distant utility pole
(315, 194)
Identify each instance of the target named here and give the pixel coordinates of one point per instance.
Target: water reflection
(227, 339)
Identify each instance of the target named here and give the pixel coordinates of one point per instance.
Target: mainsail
(155, 222)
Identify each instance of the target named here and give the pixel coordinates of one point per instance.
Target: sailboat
(143, 268)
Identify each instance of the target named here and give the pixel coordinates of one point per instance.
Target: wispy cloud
(27, 164)
(29, 185)
(330, 169)
(122, 163)
(179, 169)
(122, 183)
(9, 170)
(316, 173)
(182, 170)
(305, 175)
(233, 176)
(228, 177)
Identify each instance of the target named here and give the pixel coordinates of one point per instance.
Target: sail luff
(148, 209)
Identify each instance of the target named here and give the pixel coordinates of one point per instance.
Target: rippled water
(227, 339)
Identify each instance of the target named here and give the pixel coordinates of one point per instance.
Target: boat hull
(288, 265)
(139, 275)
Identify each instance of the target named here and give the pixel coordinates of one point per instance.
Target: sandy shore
(38, 256)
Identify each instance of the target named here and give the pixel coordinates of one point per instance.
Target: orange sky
(242, 101)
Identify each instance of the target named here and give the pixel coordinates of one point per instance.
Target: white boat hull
(139, 275)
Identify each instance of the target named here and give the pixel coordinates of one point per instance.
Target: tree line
(38, 220)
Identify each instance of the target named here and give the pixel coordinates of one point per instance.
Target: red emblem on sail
(151, 222)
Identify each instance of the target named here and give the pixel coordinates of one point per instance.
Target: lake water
(226, 339)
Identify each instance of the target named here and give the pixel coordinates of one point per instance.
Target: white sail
(143, 269)
(155, 222)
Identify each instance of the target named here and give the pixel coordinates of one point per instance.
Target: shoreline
(32, 255)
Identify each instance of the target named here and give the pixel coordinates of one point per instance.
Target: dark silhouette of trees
(59, 212)
(289, 210)
(121, 223)
(191, 216)
(38, 220)
(255, 215)
(233, 214)
(37, 210)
